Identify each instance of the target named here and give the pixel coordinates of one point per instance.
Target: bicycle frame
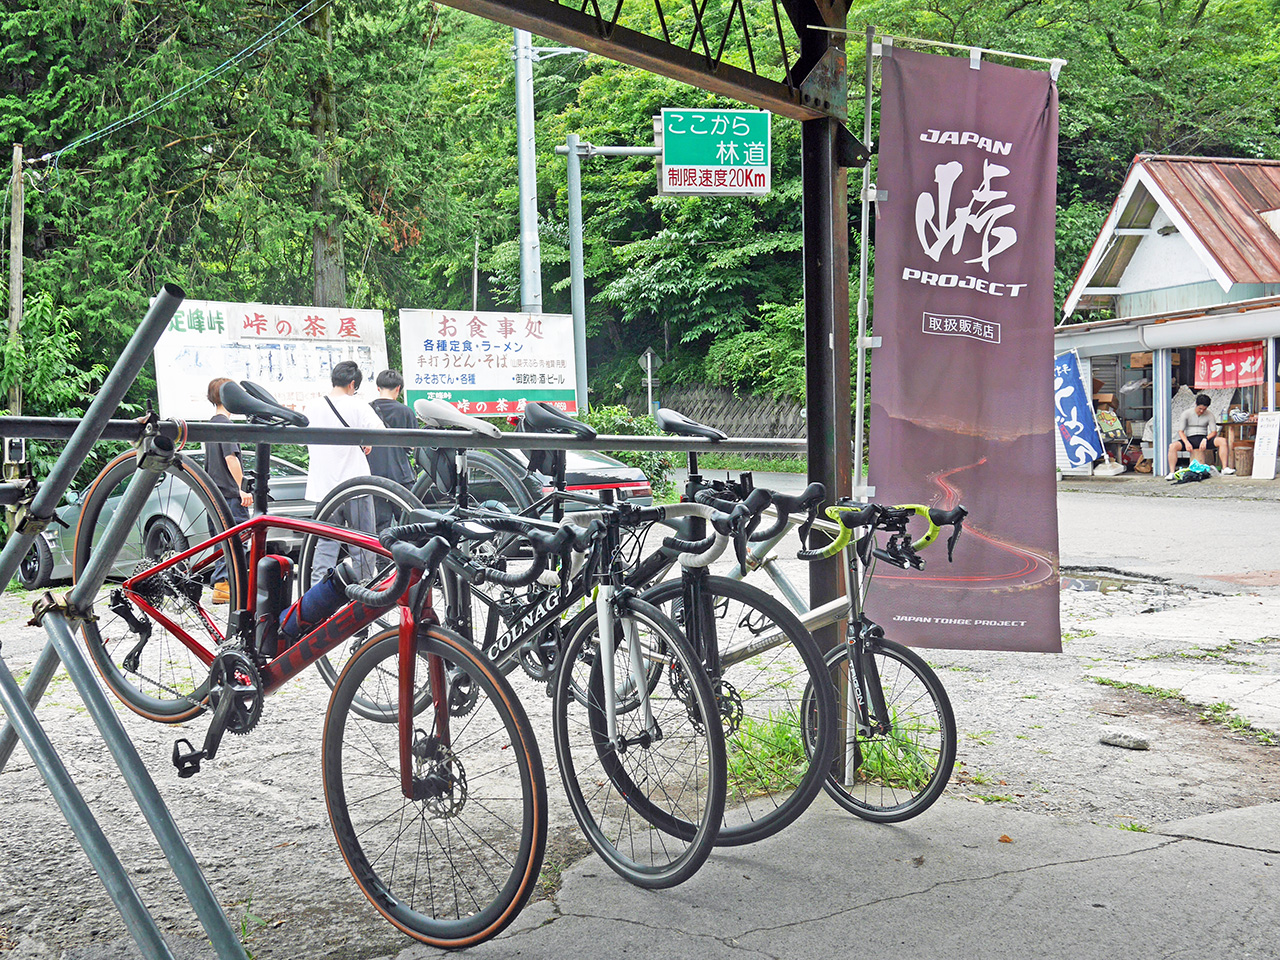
(350, 619)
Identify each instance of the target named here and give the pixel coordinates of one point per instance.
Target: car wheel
(162, 536)
(37, 566)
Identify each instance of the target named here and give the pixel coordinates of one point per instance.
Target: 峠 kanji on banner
(962, 409)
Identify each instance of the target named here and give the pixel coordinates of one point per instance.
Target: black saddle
(672, 421)
(252, 401)
(540, 417)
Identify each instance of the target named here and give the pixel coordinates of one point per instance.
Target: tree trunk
(329, 265)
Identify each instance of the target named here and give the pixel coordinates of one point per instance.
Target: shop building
(1186, 270)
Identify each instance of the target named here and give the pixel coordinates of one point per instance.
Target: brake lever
(951, 540)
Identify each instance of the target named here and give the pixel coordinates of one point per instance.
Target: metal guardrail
(56, 428)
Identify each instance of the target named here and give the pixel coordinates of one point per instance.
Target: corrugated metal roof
(1222, 201)
(1218, 202)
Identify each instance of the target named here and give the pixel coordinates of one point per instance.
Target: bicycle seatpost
(261, 477)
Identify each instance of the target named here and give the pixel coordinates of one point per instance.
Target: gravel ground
(1030, 729)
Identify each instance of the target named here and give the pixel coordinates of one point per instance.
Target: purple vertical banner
(961, 409)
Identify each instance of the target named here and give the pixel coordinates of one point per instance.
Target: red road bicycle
(433, 780)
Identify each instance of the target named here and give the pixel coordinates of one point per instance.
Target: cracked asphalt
(1047, 843)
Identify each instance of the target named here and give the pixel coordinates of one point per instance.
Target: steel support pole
(1161, 393)
(141, 925)
(1271, 374)
(826, 326)
(183, 863)
(860, 488)
(135, 354)
(577, 282)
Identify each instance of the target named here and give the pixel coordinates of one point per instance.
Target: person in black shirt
(223, 463)
(391, 462)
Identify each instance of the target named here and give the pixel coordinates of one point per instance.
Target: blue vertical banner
(1073, 411)
(964, 308)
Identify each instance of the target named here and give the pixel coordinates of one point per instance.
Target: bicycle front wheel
(767, 661)
(157, 662)
(382, 503)
(649, 803)
(895, 775)
(454, 866)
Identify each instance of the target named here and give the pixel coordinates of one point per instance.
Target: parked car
(491, 471)
(169, 522)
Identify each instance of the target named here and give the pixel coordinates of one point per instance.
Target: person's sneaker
(1228, 471)
(1170, 475)
(222, 592)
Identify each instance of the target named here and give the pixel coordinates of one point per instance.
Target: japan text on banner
(961, 410)
(488, 364)
(1073, 412)
(287, 350)
(1230, 365)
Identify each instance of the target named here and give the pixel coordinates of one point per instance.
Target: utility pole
(15, 270)
(530, 249)
(13, 470)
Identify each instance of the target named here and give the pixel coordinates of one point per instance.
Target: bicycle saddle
(672, 421)
(437, 413)
(252, 401)
(540, 417)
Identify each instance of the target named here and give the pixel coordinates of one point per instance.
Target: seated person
(1196, 431)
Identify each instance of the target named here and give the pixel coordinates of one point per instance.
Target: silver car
(163, 523)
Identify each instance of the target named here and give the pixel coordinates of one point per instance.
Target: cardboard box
(1139, 360)
(1107, 400)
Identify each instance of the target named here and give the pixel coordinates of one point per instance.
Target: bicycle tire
(455, 868)
(776, 758)
(169, 683)
(899, 775)
(397, 501)
(674, 783)
(488, 478)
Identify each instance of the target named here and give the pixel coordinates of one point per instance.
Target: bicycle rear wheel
(159, 668)
(488, 478)
(652, 807)
(385, 502)
(455, 867)
(896, 775)
(768, 661)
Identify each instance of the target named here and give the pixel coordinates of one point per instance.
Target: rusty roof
(1220, 201)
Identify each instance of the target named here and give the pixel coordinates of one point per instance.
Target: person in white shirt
(331, 465)
(1197, 433)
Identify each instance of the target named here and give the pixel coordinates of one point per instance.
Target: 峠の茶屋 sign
(716, 152)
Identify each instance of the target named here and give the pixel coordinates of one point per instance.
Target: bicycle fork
(606, 617)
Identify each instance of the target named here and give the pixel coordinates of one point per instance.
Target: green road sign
(723, 152)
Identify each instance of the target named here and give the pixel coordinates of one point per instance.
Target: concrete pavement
(964, 880)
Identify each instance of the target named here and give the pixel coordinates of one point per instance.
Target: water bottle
(318, 604)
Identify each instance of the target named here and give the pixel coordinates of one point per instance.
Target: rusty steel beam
(567, 25)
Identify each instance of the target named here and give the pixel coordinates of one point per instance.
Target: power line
(294, 20)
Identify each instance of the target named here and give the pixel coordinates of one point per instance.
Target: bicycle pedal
(188, 762)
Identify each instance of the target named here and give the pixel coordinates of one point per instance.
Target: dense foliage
(375, 143)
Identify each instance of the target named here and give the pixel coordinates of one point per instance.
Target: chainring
(233, 673)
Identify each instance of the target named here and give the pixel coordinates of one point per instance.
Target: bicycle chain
(166, 581)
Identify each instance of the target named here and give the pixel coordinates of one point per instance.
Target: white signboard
(1264, 447)
(287, 350)
(488, 364)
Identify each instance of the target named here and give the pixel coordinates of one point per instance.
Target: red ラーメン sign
(962, 400)
(1230, 365)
